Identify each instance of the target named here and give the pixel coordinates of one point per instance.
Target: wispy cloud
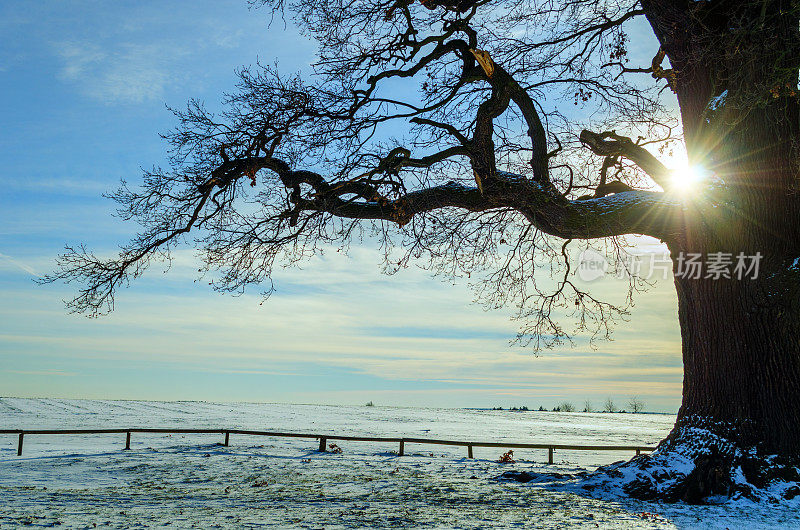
(48, 373)
(126, 73)
(60, 185)
(18, 264)
(149, 51)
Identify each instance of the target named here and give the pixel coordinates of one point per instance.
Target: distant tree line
(635, 405)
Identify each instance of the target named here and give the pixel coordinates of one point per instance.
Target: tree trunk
(735, 78)
(738, 428)
(741, 357)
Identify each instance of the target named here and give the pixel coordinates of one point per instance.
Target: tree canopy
(476, 136)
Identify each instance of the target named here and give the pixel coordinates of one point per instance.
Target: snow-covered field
(191, 481)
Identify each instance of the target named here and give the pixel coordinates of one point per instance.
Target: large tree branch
(612, 144)
(643, 212)
(501, 80)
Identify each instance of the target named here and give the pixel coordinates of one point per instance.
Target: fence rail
(324, 438)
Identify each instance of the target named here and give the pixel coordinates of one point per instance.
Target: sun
(687, 178)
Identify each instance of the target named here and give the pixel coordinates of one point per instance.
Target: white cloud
(126, 72)
(45, 373)
(6, 259)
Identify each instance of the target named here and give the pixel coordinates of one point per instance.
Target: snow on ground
(190, 480)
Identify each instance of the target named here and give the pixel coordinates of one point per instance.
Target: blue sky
(84, 87)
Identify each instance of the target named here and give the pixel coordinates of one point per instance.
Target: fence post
(19, 445)
(322, 443)
(128, 441)
(402, 448)
(469, 451)
(227, 438)
(550, 455)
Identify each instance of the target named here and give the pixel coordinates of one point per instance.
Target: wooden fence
(324, 438)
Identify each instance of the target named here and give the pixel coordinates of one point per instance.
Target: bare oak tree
(636, 404)
(481, 137)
